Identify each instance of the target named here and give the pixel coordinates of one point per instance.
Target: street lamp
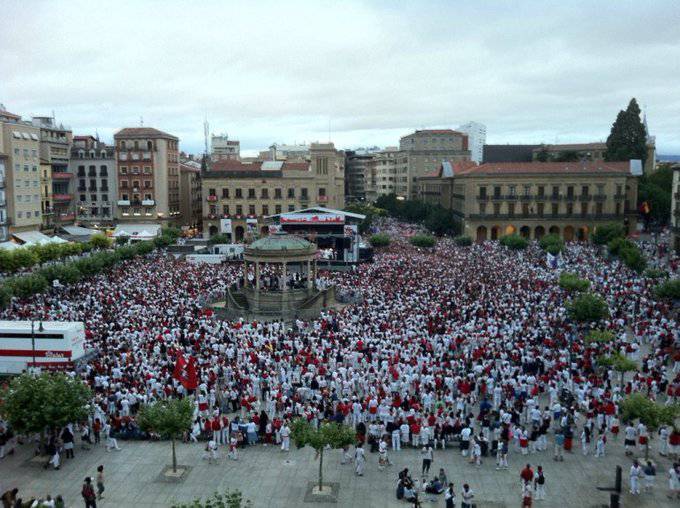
(40, 329)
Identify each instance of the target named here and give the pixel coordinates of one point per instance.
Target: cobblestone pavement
(269, 477)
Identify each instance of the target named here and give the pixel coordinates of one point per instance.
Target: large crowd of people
(469, 347)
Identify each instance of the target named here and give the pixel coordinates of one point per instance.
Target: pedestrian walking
(88, 494)
(450, 496)
(427, 455)
(100, 482)
(467, 495)
(539, 484)
(285, 437)
(359, 460)
(650, 476)
(635, 474)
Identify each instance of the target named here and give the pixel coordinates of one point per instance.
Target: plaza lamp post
(40, 329)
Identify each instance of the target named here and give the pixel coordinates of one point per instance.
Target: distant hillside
(668, 158)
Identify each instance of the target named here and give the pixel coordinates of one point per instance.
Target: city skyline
(365, 72)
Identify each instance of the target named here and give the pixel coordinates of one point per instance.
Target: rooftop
(142, 132)
(534, 168)
(281, 242)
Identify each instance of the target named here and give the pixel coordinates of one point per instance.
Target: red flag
(185, 372)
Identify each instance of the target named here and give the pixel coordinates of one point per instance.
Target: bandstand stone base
(329, 494)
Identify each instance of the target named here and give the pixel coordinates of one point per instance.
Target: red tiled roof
(83, 138)
(516, 168)
(142, 132)
(295, 166)
(235, 165)
(438, 131)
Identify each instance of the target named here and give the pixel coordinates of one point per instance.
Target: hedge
(571, 282)
(425, 241)
(219, 238)
(463, 241)
(588, 307)
(380, 240)
(601, 336)
(26, 285)
(607, 232)
(656, 273)
(629, 253)
(514, 242)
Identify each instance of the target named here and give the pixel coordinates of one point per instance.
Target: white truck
(54, 346)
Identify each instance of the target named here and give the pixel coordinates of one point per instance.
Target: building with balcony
(19, 161)
(93, 170)
(356, 172)
(423, 152)
(147, 168)
(675, 209)
(381, 177)
(55, 149)
(45, 170)
(532, 199)
(191, 204)
(237, 196)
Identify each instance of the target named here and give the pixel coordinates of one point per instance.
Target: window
(147, 184)
(291, 208)
(555, 190)
(264, 195)
(482, 191)
(148, 197)
(135, 185)
(93, 198)
(81, 170)
(496, 208)
(225, 209)
(541, 191)
(540, 207)
(497, 191)
(291, 193)
(239, 193)
(618, 208)
(525, 209)
(277, 193)
(225, 193)
(303, 193)
(570, 191)
(103, 171)
(35, 168)
(136, 145)
(123, 170)
(598, 208)
(20, 215)
(105, 185)
(239, 210)
(251, 193)
(584, 190)
(584, 208)
(105, 197)
(81, 184)
(482, 208)
(149, 145)
(105, 211)
(265, 210)
(555, 208)
(512, 190)
(126, 197)
(277, 209)
(83, 197)
(93, 185)
(570, 209)
(212, 210)
(124, 184)
(251, 209)
(322, 191)
(511, 209)
(95, 210)
(147, 170)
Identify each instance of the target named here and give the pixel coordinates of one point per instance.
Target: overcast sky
(281, 71)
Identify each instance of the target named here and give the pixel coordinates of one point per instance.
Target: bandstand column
(285, 277)
(310, 281)
(257, 275)
(245, 273)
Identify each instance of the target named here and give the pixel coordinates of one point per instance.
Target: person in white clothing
(674, 481)
(285, 438)
(360, 460)
(635, 474)
(396, 440)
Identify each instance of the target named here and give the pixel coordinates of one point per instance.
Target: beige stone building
(237, 196)
(675, 209)
(589, 151)
(381, 174)
(191, 204)
(55, 148)
(46, 193)
(423, 152)
(20, 158)
(147, 166)
(533, 199)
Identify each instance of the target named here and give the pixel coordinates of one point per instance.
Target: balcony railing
(123, 202)
(545, 216)
(212, 198)
(619, 196)
(322, 199)
(62, 197)
(485, 197)
(570, 197)
(59, 175)
(148, 202)
(497, 197)
(585, 197)
(511, 197)
(526, 197)
(555, 197)
(600, 197)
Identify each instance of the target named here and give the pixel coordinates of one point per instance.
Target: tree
(425, 241)
(122, 240)
(441, 221)
(607, 232)
(620, 363)
(633, 258)
(588, 307)
(27, 285)
(24, 258)
(543, 155)
(100, 241)
(334, 435)
(656, 273)
(669, 290)
(599, 337)
(570, 282)
(33, 403)
(380, 240)
(567, 156)
(552, 243)
(169, 418)
(514, 242)
(638, 407)
(227, 499)
(656, 189)
(219, 238)
(628, 137)
(463, 241)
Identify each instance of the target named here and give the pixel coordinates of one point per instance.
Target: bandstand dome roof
(281, 242)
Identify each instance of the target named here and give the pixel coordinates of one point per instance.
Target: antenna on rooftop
(206, 129)
(141, 121)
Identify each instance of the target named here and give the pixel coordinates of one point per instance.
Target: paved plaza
(271, 478)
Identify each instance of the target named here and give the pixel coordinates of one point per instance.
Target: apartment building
(381, 174)
(221, 148)
(423, 152)
(20, 201)
(356, 172)
(533, 199)
(675, 209)
(147, 169)
(94, 165)
(588, 151)
(476, 133)
(238, 195)
(55, 148)
(45, 170)
(191, 204)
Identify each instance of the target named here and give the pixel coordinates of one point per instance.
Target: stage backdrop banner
(312, 218)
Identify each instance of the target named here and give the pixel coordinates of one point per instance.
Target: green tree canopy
(669, 290)
(628, 138)
(607, 232)
(653, 414)
(514, 242)
(380, 240)
(588, 307)
(425, 241)
(33, 403)
(168, 418)
(226, 499)
(100, 241)
(571, 282)
(552, 243)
